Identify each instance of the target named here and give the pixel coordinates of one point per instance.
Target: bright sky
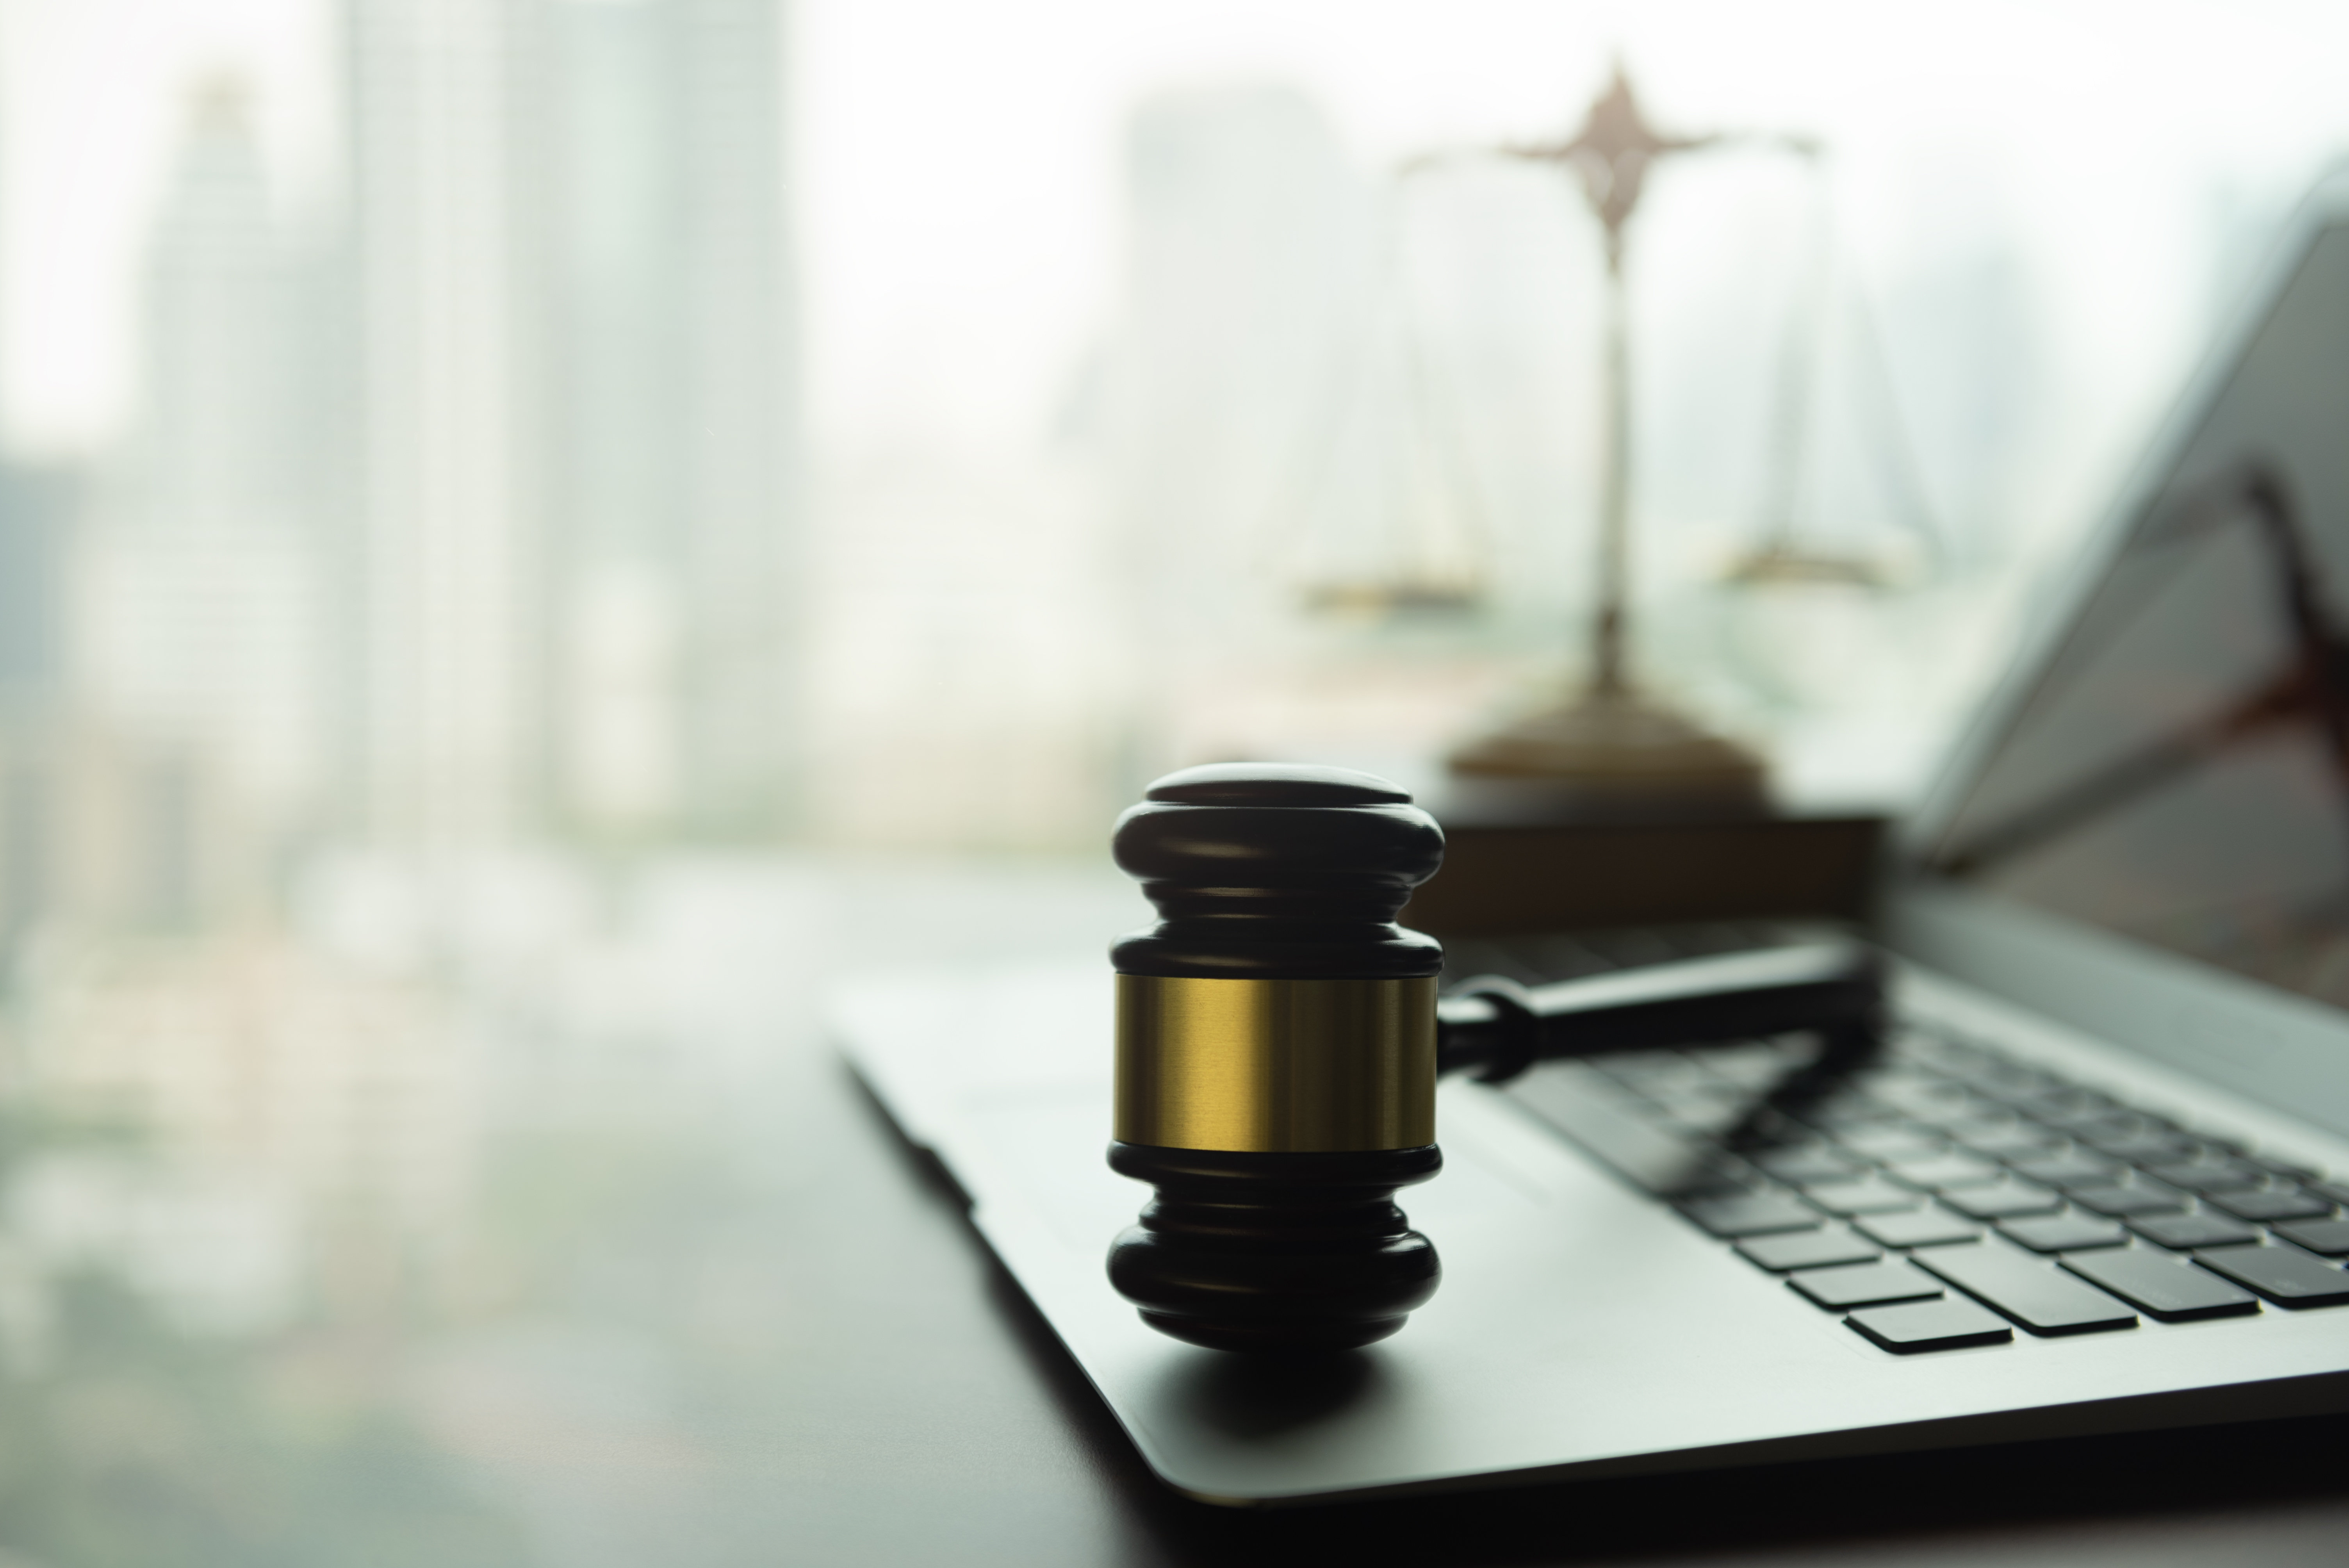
(959, 159)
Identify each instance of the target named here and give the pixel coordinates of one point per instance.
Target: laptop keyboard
(1942, 1194)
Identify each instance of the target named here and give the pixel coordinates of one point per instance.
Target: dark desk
(648, 1280)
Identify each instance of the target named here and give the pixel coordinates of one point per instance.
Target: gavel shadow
(1844, 1054)
(1254, 1396)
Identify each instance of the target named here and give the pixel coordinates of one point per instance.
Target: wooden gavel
(1279, 1040)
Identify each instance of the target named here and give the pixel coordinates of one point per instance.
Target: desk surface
(551, 1231)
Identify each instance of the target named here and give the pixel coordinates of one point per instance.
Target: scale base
(1618, 749)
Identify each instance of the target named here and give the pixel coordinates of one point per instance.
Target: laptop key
(2285, 1276)
(2330, 1237)
(1650, 1072)
(1945, 1325)
(2067, 1170)
(2013, 1143)
(1748, 1066)
(2337, 1191)
(1766, 1131)
(2005, 1200)
(1579, 1103)
(2099, 1124)
(1750, 1215)
(1917, 1093)
(1705, 1117)
(1894, 1141)
(1994, 1076)
(1970, 1113)
(1927, 1228)
(1868, 1195)
(2035, 1294)
(2183, 1231)
(1944, 1170)
(1806, 1165)
(2062, 1232)
(2144, 1145)
(2272, 1203)
(1841, 1114)
(1868, 1284)
(2208, 1175)
(2126, 1203)
(2062, 1106)
(2162, 1285)
(1807, 1250)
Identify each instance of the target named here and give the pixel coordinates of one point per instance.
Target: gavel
(1279, 1037)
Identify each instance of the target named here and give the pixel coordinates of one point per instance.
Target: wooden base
(1618, 746)
(1569, 872)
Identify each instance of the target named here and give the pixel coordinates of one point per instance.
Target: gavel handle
(1496, 1029)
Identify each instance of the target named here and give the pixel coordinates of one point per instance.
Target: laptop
(2097, 1180)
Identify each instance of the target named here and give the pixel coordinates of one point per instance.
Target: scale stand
(1614, 747)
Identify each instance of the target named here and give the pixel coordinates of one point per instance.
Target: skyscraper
(210, 565)
(36, 517)
(574, 421)
(675, 467)
(1244, 286)
(739, 561)
(1244, 291)
(445, 679)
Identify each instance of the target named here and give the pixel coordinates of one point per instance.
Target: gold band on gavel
(1275, 1066)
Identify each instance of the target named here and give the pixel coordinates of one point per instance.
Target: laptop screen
(2179, 773)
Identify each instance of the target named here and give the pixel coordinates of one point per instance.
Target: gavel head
(1276, 1058)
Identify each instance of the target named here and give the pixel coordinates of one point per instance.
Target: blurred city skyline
(460, 512)
(918, 431)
